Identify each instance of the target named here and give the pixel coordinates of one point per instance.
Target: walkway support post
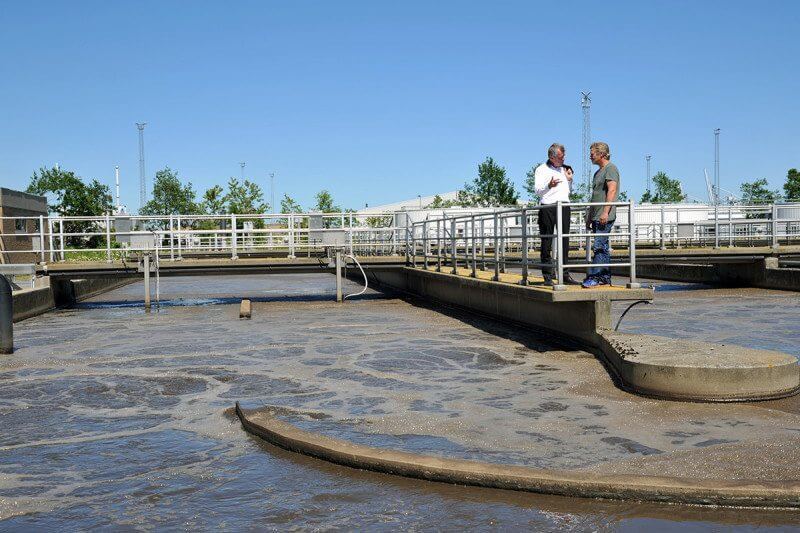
(171, 239)
(41, 236)
(453, 243)
(496, 276)
(50, 237)
(108, 238)
(474, 274)
(147, 282)
(524, 280)
(338, 276)
(716, 225)
(663, 223)
(6, 317)
(424, 245)
(438, 245)
(632, 284)
(233, 237)
(774, 225)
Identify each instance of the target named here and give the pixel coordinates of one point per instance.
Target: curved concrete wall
(744, 493)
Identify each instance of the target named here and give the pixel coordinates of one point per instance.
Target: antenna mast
(142, 182)
(586, 103)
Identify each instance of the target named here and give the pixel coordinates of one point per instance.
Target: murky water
(114, 418)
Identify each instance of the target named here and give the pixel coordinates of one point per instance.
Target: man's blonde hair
(602, 149)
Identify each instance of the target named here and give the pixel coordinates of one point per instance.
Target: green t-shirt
(610, 172)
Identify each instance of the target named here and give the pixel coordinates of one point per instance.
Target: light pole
(242, 164)
(272, 191)
(647, 157)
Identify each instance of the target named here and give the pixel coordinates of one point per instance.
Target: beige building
(12, 231)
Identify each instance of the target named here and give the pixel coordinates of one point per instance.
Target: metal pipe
(496, 276)
(453, 244)
(524, 280)
(6, 317)
(147, 282)
(633, 284)
(108, 238)
(41, 236)
(474, 251)
(559, 249)
(339, 276)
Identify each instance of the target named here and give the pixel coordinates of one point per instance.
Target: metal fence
(392, 233)
(507, 238)
(173, 237)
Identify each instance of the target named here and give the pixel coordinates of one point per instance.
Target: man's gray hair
(602, 149)
(553, 150)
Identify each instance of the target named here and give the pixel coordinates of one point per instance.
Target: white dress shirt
(550, 195)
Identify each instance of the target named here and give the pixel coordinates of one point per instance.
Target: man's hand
(603, 218)
(569, 173)
(553, 182)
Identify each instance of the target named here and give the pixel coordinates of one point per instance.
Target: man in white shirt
(553, 183)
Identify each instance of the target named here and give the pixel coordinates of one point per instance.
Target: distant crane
(586, 103)
(142, 182)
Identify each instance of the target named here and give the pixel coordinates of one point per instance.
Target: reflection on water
(119, 418)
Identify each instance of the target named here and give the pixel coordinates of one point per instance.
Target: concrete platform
(621, 486)
(642, 364)
(698, 371)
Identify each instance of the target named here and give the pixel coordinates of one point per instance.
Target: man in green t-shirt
(600, 219)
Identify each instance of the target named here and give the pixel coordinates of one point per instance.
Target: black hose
(628, 309)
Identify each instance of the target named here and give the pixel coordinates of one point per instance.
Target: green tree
(757, 192)
(530, 185)
(647, 197)
(170, 196)
(325, 203)
(245, 198)
(791, 189)
(491, 188)
(579, 192)
(668, 190)
(439, 203)
(68, 195)
(623, 196)
(214, 200)
(289, 205)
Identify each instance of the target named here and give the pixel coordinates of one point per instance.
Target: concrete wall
(579, 320)
(20, 204)
(763, 274)
(33, 302)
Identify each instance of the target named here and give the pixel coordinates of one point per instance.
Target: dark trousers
(547, 224)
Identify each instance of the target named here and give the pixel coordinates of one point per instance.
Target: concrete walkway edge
(734, 493)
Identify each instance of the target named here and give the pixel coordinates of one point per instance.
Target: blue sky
(382, 101)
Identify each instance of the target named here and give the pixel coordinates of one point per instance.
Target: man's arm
(611, 196)
(540, 181)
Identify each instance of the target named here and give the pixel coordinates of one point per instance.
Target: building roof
(413, 203)
(9, 198)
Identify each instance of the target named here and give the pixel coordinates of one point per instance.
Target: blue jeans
(601, 252)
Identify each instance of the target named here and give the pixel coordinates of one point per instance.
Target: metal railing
(108, 237)
(47, 239)
(507, 238)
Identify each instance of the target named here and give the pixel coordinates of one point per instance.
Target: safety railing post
(424, 245)
(559, 285)
(453, 244)
(41, 237)
(663, 224)
(496, 276)
(50, 238)
(524, 280)
(632, 284)
(172, 238)
(178, 237)
(503, 244)
(716, 224)
(414, 244)
(438, 245)
(61, 238)
(291, 237)
(233, 237)
(730, 226)
(483, 244)
(774, 225)
(474, 273)
(108, 238)
(408, 250)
